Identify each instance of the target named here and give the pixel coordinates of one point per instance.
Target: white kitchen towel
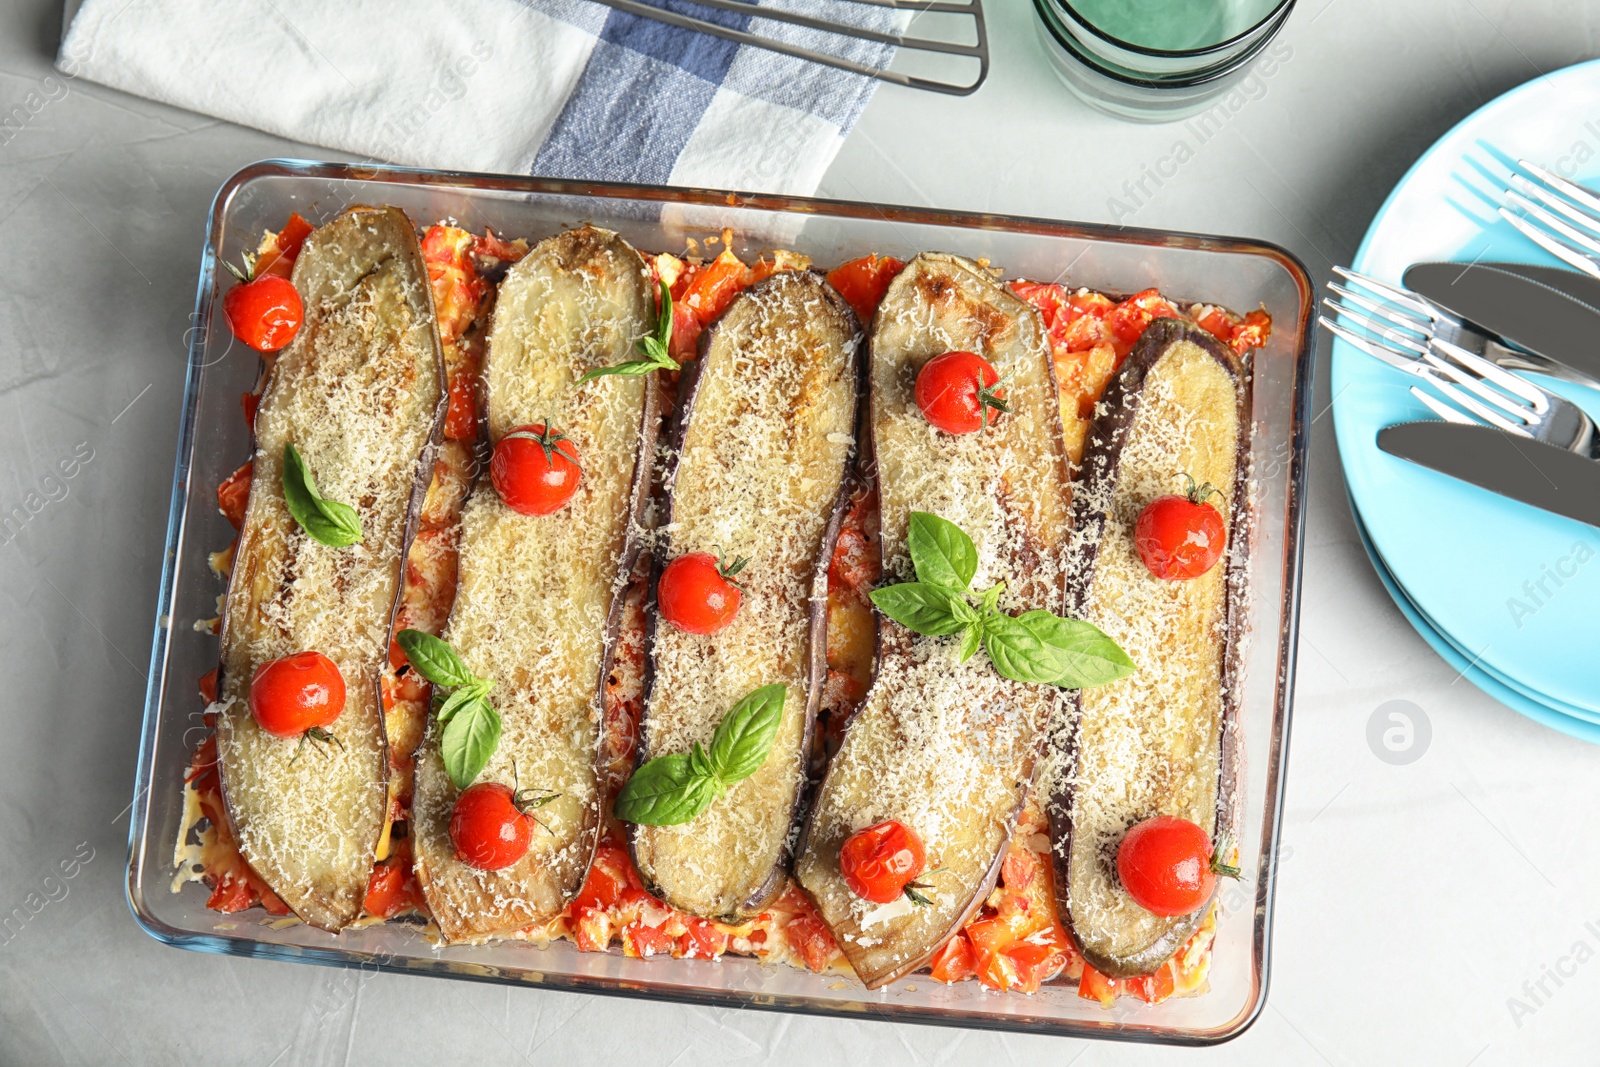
(554, 88)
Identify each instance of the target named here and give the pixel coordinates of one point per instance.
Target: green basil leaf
(700, 763)
(454, 702)
(744, 737)
(665, 792)
(328, 521)
(1085, 655)
(468, 740)
(664, 318)
(1017, 652)
(970, 640)
(630, 368)
(989, 601)
(942, 553)
(434, 659)
(927, 609)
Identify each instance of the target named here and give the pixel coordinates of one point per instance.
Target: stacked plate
(1508, 594)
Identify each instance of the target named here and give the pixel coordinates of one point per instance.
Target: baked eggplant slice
(1158, 741)
(539, 598)
(947, 748)
(765, 444)
(360, 394)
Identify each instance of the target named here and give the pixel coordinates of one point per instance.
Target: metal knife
(1525, 470)
(1551, 313)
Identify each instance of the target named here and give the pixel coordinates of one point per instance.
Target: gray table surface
(1418, 905)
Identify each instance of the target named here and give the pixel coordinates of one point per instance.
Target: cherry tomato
(695, 594)
(297, 693)
(957, 393)
(264, 312)
(488, 829)
(1167, 867)
(1180, 536)
(880, 861)
(535, 470)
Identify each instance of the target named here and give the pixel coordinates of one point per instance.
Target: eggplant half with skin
(1160, 741)
(947, 748)
(765, 443)
(539, 597)
(360, 394)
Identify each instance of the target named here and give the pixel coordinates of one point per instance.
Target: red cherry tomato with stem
(263, 310)
(696, 593)
(1167, 866)
(535, 469)
(1180, 536)
(958, 392)
(298, 694)
(492, 824)
(881, 862)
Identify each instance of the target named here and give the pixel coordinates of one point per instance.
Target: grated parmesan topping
(947, 748)
(536, 593)
(762, 464)
(1150, 743)
(357, 393)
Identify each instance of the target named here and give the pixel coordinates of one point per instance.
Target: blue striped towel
(555, 88)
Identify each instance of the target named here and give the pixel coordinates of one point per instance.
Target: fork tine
(1376, 327)
(1440, 408)
(1483, 392)
(1554, 202)
(1487, 414)
(1561, 185)
(1512, 383)
(1399, 296)
(1530, 209)
(1571, 257)
(1384, 311)
(1377, 352)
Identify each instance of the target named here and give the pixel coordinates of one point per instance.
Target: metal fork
(1546, 211)
(1477, 389)
(1400, 307)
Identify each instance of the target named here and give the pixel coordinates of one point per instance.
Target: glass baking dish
(212, 441)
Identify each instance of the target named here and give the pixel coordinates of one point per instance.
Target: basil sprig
(469, 727)
(673, 789)
(654, 348)
(327, 521)
(1035, 646)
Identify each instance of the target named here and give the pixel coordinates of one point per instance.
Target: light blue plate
(1469, 560)
(1474, 672)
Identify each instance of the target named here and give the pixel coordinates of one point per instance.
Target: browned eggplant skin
(689, 386)
(892, 632)
(325, 914)
(1114, 419)
(572, 249)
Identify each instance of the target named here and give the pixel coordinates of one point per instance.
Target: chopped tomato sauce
(863, 282)
(234, 493)
(278, 251)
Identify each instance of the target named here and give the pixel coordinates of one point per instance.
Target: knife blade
(1525, 470)
(1553, 313)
